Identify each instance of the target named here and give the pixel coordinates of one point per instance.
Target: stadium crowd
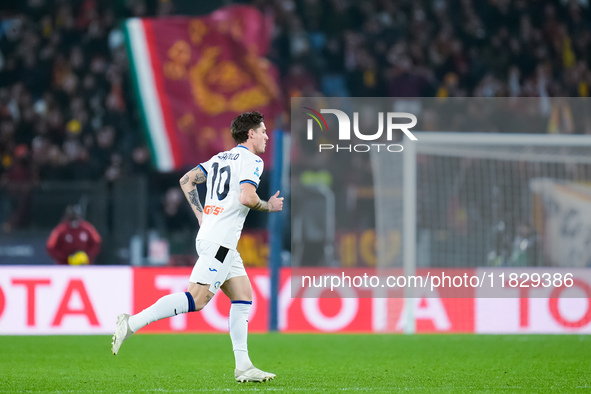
(66, 105)
(438, 48)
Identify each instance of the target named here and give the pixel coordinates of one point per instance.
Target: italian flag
(148, 92)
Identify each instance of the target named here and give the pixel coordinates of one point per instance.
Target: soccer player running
(232, 178)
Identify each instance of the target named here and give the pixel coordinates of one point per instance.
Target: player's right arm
(189, 183)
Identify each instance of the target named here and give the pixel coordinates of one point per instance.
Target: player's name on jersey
(228, 156)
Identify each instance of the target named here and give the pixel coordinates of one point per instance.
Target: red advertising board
(152, 283)
(86, 300)
(62, 300)
(529, 309)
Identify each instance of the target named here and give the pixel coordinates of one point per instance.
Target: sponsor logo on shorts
(213, 270)
(217, 285)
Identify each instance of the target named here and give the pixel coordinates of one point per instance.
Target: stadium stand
(67, 112)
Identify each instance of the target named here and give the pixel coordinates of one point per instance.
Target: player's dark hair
(244, 122)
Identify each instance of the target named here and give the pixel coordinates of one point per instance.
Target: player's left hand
(275, 203)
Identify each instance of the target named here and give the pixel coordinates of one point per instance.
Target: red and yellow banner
(194, 75)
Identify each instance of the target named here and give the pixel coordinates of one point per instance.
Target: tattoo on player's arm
(199, 178)
(261, 206)
(184, 180)
(194, 198)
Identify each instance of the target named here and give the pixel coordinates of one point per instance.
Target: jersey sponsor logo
(256, 172)
(258, 161)
(212, 210)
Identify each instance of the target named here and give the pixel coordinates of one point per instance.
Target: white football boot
(253, 374)
(122, 332)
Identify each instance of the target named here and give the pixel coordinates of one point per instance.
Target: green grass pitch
(303, 363)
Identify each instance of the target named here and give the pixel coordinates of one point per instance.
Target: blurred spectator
(174, 220)
(175, 215)
(404, 82)
(74, 241)
(299, 81)
(525, 251)
(18, 180)
(141, 160)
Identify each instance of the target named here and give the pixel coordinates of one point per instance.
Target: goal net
(498, 200)
(473, 200)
